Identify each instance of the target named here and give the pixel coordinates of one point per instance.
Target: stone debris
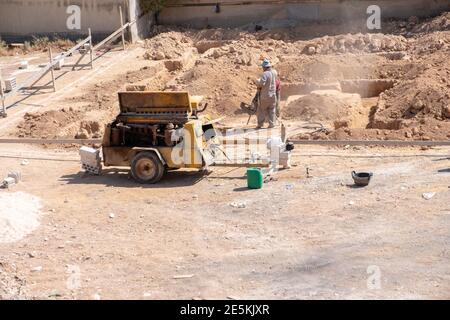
(183, 276)
(240, 205)
(428, 195)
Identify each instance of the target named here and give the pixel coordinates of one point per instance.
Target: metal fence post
(51, 70)
(123, 29)
(2, 94)
(91, 49)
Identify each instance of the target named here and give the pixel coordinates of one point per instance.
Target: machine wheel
(146, 167)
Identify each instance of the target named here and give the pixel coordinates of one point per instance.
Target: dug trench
(359, 86)
(347, 104)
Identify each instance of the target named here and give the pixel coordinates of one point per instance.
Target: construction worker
(267, 95)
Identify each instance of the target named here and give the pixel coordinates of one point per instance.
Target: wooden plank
(113, 35)
(73, 49)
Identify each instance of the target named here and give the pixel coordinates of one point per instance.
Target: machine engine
(151, 119)
(142, 135)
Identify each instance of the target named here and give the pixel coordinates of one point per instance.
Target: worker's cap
(266, 63)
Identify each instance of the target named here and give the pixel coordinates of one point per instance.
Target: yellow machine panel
(163, 101)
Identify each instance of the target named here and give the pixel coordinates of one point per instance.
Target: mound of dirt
(424, 94)
(331, 106)
(429, 130)
(63, 123)
(440, 23)
(89, 129)
(429, 44)
(222, 85)
(329, 68)
(50, 124)
(222, 64)
(98, 107)
(355, 43)
(224, 70)
(169, 45)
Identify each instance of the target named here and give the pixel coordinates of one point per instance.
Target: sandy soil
(286, 243)
(299, 237)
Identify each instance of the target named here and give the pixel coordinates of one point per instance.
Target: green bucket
(254, 178)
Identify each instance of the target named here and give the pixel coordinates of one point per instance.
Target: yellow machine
(158, 131)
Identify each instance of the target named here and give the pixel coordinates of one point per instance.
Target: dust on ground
(19, 215)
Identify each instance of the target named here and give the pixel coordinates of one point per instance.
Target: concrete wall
(20, 19)
(144, 21)
(201, 13)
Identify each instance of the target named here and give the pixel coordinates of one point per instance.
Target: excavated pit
(341, 104)
(366, 88)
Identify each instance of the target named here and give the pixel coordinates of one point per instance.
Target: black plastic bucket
(361, 178)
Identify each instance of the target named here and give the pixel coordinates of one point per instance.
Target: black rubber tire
(146, 167)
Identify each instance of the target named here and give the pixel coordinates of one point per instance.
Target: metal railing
(49, 67)
(53, 61)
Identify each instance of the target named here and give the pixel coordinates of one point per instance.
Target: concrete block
(7, 182)
(285, 159)
(59, 64)
(90, 160)
(10, 84)
(15, 175)
(23, 65)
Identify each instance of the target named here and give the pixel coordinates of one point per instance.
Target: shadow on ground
(122, 178)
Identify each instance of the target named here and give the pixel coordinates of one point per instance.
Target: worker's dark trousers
(266, 110)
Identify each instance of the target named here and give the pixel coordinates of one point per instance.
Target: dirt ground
(400, 76)
(196, 236)
(297, 237)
